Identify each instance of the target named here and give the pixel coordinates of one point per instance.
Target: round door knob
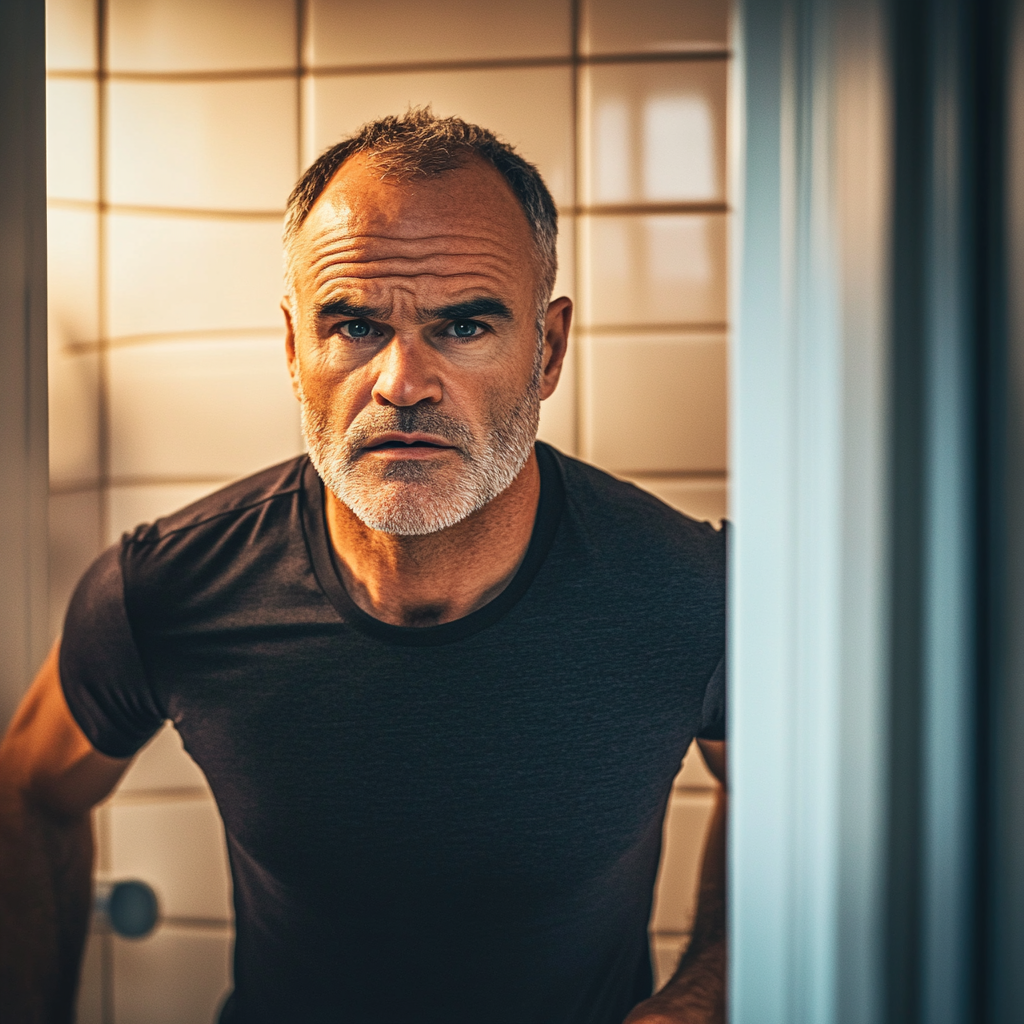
(130, 907)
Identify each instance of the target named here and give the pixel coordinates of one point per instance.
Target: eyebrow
(346, 308)
(468, 310)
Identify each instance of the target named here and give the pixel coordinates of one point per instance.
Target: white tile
(169, 274)
(173, 976)
(74, 386)
(205, 145)
(531, 108)
(216, 409)
(89, 1003)
(654, 133)
(101, 838)
(163, 764)
(176, 845)
(70, 35)
(694, 773)
(703, 499)
(74, 524)
(201, 35)
(71, 134)
(656, 404)
(653, 269)
(610, 26)
(686, 827)
(349, 33)
(565, 279)
(128, 505)
(72, 245)
(666, 952)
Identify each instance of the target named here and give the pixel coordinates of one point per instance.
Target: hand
(674, 1009)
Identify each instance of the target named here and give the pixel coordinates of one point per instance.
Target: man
(439, 678)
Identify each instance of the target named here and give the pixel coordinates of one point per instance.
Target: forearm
(701, 971)
(696, 993)
(45, 900)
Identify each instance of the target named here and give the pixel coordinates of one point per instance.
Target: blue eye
(464, 328)
(358, 329)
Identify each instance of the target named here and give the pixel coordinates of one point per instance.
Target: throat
(427, 580)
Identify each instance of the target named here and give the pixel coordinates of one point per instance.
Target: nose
(406, 374)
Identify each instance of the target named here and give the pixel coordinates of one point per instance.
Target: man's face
(413, 343)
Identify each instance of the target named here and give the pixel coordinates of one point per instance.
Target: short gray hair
(418, 144)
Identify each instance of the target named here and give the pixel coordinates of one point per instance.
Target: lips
(393, 443)
(385, 445)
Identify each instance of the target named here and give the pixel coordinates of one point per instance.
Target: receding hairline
(474, 162)
(419, 146)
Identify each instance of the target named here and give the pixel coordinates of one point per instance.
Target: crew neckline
(545, 526)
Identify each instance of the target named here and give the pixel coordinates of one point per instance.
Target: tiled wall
(176, 129)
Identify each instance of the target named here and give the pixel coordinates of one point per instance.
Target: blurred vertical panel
(809, 580)
(1001, 188)
(24, 609)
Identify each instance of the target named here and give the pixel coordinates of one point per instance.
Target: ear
(289, 344)
(557, 321)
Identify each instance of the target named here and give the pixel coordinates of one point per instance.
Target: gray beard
(413, 498)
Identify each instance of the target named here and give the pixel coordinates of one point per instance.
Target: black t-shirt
(456, 823)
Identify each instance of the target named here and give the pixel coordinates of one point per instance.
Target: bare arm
(50, 778)
(696, 993)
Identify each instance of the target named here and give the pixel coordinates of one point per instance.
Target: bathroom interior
(791, 230)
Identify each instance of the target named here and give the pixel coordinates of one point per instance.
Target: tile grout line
(102, 306)
(147, 210)
(577, 384)
(103, 430)
(410, 67)
(185, 335)
(301, 22)
(681, 208)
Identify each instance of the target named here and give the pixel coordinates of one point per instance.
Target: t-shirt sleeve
(100, 669)
(712, 719)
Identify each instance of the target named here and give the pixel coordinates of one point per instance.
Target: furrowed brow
(468, 310)
(345, 308)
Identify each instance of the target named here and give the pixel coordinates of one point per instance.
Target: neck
(424, 581)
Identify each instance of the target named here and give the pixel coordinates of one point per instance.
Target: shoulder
(224, 540)
(619, 517)
(218, 510)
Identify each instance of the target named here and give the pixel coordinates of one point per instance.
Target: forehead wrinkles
(374, 256)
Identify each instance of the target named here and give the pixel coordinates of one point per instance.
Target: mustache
(409, 420)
